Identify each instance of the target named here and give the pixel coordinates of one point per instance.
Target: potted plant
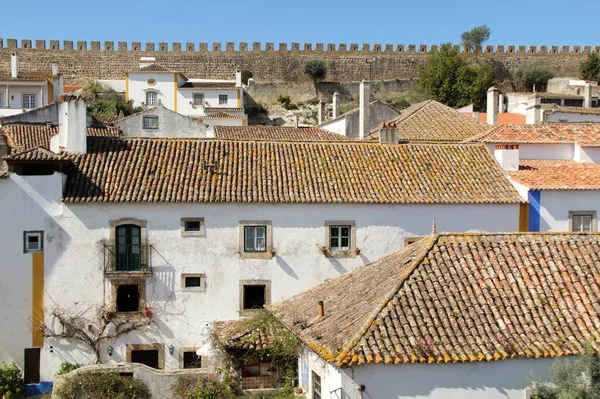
(147, 312)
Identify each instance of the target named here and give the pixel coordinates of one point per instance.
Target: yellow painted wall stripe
(37, 300)
(175, 87)
(50, 93)
(239, 95)
(126, 87)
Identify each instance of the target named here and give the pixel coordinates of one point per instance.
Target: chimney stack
(72, 126)
(321, 111)
(501, 103)
(147, 61)
(365, 99)
(388, 133)
(336, 104)
(507, 156)
(14, 65)
(55, 69)
(493, 98)
(321, 311)
(238, 78)
(587, 95)
(534, 110)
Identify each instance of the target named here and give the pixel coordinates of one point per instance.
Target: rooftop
(557, 175)
(209, 85)
(25, 77)
(432, 121)
(457, 298)
(276, 133)
(244, 171)
(586, 134)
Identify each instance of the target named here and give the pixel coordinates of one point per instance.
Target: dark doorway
(147, 357)
(32, 365)
(254, 296)
(128, 298)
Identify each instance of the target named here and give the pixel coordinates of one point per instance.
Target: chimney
(388, 133)
(238, 78)
(72, 126)
(14, 65)
(363, 110)
(147, 61)
(501, 103)
(493, 97)
(336, 104)
(507, 156)
(55, 69)
(321, 111)
(534, 110)
(58, 87)
(587, 95)
(321, 310)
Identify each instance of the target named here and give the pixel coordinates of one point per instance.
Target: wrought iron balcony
(127, 258)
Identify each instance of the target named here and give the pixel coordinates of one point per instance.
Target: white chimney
(587, 95)
(321, 111)
(14, 65)
(501, 103)
(493, 98)
(534, 110)
(57, 87)
(72, 126)
(336, 104)
(507, 156)
(238, 78)
(146, 61)
(363, 110)
(388, 133)
(55, 69)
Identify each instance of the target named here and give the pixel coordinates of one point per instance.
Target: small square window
(192, 227)
(150, 122)
(28, 100)
(193, 282)
(340, 239)
(199, 99)
(254, 296)
(151, 98)
(582, 221)
(222, 99)
(128, 298)
(191, 360)
(33, 241)
(255, 238)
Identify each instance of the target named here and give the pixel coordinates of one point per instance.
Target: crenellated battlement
(270, 47)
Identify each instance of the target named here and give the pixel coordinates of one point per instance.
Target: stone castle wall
(81, 61)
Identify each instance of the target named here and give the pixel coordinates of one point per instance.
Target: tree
(475, 37)
(448, 78)
(571, 379)
(246, 74)
(105, 102)
(532, 75)
(590, 68)
(316, 69)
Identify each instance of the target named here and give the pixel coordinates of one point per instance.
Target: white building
(451, 316)
(170, 234)
(216, 102)
(556, 168)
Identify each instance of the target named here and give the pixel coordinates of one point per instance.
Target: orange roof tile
(457, 298)
(557, 175)
(277, 133)
(586, 134)
(505, 118)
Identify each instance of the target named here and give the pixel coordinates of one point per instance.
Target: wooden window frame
(201, 95)
(351, 252)
(226, 99)
(594, 222)
(31, 233)
(148, 95)
(269, 253)
(34, 100)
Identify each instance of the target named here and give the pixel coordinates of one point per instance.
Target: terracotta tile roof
(212, 170)
(223, 115)
(505, 118)
(244, 334)
(277, 133)
(561, 96)
(219, 109)
(70, 89)
(37, 154)
(576, 110)
(153, 68)
(32, 77)
(24, 137)
(208, 85)
(557, 175)
(586, 134)
(431, 121)
(458, 298)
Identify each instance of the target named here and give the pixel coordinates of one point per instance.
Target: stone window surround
(313, 371)
(269, 253)
(148, 91)
(28, 233)
(115, 283)
(580, 213)
(136, 222)
(266, 283)
(193, 102)
(203, 359)
(150, 117)
(201, 233)
(202, 287)
(129, 348)
(349, 253)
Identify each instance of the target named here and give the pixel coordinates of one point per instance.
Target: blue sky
(512, 22)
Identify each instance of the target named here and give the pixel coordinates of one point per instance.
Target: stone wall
(80, 61)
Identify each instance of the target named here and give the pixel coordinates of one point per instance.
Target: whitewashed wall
(543, 151)
(15, 95)
(211, 97)
(74, 257)
(164, 87)
(337, 126)
(554, 213)
(587, 154)
(558, 116)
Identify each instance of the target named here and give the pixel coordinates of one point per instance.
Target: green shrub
(590, 68)
(532, 74)
(67, 367)
(102, 386)
(193, 387)
(316, 69)
(246, 74)
(11, 380)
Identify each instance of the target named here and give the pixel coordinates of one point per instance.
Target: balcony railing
(127, 258)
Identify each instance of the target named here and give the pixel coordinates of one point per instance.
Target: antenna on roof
(433, 227)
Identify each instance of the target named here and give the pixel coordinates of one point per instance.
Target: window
(222, 99)
(28, 100)
(316, 385)
(128, 298)
(573, 103)
(128, 248)
(191, 360)
(340, 238)
(199, 99)
(151, 98)
(33, 241)
(150, 122)
(255, 238)
(192, 226)
(254, 294)
(582, 221)
(193, 282)
(152, 355)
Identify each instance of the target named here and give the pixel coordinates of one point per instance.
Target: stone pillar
(336, 104)
(587, 95)
(534, 110)
(321, 112)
